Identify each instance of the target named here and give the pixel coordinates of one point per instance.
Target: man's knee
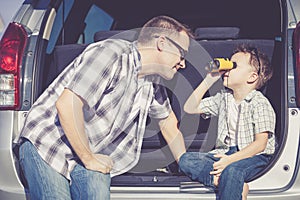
(99, 185)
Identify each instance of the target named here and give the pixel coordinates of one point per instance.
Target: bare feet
(216, 180)
(245, 191)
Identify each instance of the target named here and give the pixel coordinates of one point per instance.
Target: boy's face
(242, 75)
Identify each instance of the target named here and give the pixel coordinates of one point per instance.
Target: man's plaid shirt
(256, 116)
(105, 76)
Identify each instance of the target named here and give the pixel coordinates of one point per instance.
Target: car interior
(216, 33)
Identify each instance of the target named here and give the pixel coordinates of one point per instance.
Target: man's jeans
(198, 165)
(45, 183)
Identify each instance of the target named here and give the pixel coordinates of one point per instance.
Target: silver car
(45, 35)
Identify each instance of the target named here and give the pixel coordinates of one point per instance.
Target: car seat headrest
(216, 33)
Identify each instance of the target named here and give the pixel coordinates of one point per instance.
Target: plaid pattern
(105, 77)
(256, 116)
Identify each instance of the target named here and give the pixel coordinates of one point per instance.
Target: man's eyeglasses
(254, 52)
(182, 52)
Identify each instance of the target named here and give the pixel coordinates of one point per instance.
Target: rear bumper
(168, 193)
(12, 195)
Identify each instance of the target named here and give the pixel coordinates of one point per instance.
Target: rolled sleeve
(210, 105)
(264, 118)
(160, 106)
(92, 73)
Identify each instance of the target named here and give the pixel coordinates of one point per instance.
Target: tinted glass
(95, 20)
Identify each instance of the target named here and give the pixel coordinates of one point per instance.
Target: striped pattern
(256, 116)
(105, 77)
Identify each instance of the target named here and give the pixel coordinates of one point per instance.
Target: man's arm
(173, 136)
(69, 107)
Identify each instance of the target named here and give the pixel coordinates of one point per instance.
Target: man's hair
(161, 25)
(259, 61)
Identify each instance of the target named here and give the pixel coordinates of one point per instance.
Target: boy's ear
(253, 77)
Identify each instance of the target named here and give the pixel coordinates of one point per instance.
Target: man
(88, 125)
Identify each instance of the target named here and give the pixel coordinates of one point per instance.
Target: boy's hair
(161, 25)
(259, 61)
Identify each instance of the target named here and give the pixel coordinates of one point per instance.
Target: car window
(58, 23)
(96, 20)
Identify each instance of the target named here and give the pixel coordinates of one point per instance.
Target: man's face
(174, 53)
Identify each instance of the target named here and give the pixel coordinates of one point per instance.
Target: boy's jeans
(198, 165)
(46, 184)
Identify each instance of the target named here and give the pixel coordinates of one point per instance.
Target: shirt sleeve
(210, 106)
(160, 106)
(92, 73)
(264, 118)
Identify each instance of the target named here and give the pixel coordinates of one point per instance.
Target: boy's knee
(231, 172)
(190, 162)
(184, 162)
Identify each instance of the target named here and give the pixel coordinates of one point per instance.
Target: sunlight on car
(1, 25)
(43, 39)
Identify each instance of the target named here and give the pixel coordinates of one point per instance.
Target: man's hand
(99, 162)
(220, 165)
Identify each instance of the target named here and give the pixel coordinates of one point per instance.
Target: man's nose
(181, 64)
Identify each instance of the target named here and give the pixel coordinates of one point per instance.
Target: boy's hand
(220, 165)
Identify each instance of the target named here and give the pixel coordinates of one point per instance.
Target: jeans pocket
(21, 164)
(22, 153)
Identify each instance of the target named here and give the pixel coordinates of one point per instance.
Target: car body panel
(281, 181)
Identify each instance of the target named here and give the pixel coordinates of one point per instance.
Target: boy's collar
(249, 96)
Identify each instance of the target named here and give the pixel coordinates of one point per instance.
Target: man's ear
(253, 77)
(160, 43)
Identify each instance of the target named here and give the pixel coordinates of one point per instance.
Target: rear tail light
(12, 48)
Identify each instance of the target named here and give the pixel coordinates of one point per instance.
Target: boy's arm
(257, 146)
(172, 135)
(191, 106)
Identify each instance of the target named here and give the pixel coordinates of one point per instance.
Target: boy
(246, 123)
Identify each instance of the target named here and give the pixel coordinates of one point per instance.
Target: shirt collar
(138, 65)
(251, 95)
(136, 57)
(248, 98)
